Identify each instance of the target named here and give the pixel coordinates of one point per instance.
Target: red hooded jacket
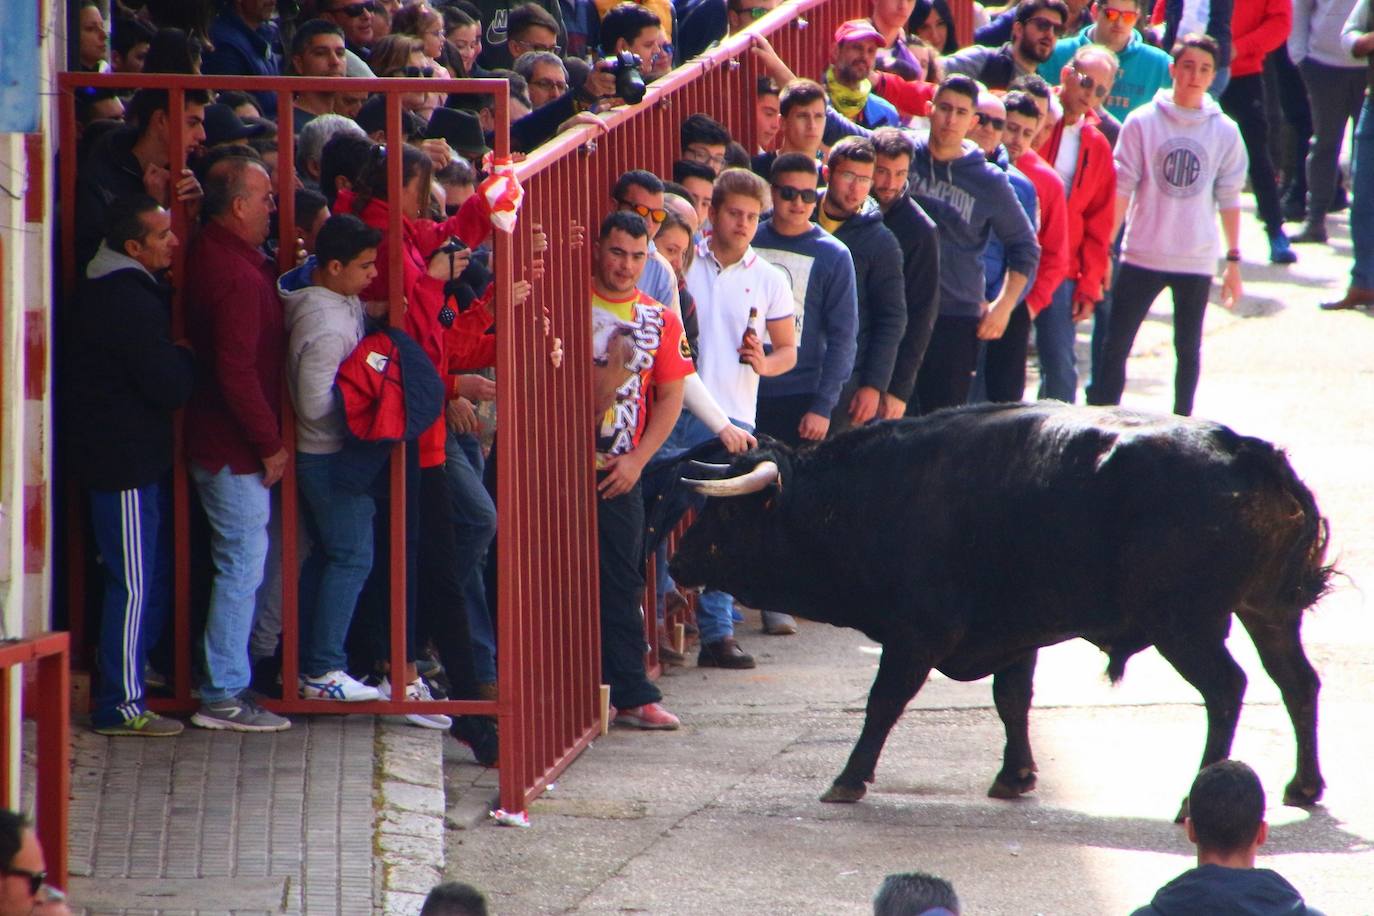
(466, 341)
(1052, 233)
(1091, 205)
(1257, 27)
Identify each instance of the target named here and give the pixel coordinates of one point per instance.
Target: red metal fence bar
(47, 700)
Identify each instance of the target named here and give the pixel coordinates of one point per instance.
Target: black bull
(967, 540)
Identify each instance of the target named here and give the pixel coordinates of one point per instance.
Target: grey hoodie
(968, 198)
(323, 328)
(1179, 166)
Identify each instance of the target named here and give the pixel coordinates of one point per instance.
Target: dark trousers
(440, 614)
(1335, 95)
(1134, 291)
(947, 370)
(1243, 101)
(1004, 359)
(780, 417)
(1297, 118)
(620, 535)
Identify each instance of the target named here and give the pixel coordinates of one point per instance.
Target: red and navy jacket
(1092, 205)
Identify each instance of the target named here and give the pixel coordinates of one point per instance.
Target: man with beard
(847, 81)
(1038, 23)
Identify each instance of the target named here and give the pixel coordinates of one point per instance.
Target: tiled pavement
(219, 822)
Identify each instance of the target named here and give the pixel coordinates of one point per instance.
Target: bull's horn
(764, 474)
(706, 470)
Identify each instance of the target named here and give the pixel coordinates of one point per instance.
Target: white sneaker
(418, 690)
(336, 685)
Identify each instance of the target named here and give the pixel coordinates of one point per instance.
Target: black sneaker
(479, 734)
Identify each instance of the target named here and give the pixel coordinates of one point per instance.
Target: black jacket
(1213, 890)
(110, 171)
(881, 290)
(124, 376)
(920, 241)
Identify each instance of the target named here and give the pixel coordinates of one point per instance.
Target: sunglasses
(789, 194)
(354, 10)
(657, 214)
(1090, 84)
(36, 878)
(1046, 25)
(413, 72)
(754, 12)
(1125, 17)
(985, 119)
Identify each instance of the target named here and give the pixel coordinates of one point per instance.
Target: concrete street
(723, 817)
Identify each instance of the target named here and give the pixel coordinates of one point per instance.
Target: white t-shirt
(1066, 160)
(723, 297)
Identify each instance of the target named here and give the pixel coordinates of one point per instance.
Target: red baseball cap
(857, 30)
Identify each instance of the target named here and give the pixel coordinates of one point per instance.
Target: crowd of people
(884, 245)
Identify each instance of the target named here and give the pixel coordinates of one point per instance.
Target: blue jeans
(1362, 200)
(474, 516)
(1055, 335)
(239, 508)
(340, 527)
(715, 609)
(133, 534)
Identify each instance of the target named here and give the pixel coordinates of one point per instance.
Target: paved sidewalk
(340, 814)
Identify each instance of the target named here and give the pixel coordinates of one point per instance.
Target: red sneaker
(650, 715)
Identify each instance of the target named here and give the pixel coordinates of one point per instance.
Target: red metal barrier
(47, 701)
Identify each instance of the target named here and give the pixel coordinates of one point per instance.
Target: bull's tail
(1294, 527)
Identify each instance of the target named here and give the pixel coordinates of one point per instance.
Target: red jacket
(1091, 205)
(236, 325)
(1257, 27)
(1053, 234)
(910, 97)
(424, 295)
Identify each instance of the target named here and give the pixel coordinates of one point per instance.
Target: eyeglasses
(657, 214)
(550, 85)
(753, 12)
(851, 177)
(354, 10)
(1045, 24)
(789, 193)
(35, 878)
(985, 120)
(1125, 17)
(1090, 84)
(536, 46)
(703, 156)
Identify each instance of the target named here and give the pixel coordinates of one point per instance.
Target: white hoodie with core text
(1179, 166)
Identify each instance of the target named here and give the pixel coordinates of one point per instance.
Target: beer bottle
(749, 334)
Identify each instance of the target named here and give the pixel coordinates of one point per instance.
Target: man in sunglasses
(1082, 156)
(1038, 23)
(641, 193)
(357, 18)
(998, 31)
(1142, 69)
(740, 14)
(22, 890)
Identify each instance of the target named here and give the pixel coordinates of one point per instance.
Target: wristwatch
(1233, 254)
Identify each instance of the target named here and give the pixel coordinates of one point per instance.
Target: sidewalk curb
(408, 826)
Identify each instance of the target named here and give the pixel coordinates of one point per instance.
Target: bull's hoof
(842, 794)
(1182, 812)
(1012, 785)
(1300, 796)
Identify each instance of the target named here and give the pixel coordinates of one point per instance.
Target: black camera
(451, 247)
(629, 82)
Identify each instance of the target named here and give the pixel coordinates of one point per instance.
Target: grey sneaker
(143, 725)
(239, 714)
(776, 624)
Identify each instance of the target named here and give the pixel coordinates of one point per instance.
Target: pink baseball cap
(857, 30)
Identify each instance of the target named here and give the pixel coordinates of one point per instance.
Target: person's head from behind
(454, 899)
(915, 894)
(1226, 812)
(703, 139)
(238, 196)
(317, 49)
(315, 135)
(737, 199)
(173, 51)
(341, 162)
(459, 181)
(802, 105)
(697, 180)
(312, 210)
(139, 228)
(641, 193)
(21, 865)
(416, 173)
(346, 254)
(149, 110)
(622, 248)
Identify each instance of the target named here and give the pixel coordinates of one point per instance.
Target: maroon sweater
(235, 322)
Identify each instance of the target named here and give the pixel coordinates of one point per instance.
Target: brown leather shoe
(724, 653)
(669, 656)
(1354, 298)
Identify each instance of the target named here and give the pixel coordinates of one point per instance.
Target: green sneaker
(144, 725)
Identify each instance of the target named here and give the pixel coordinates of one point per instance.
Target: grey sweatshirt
(1316, 33)
(1179, 166)
(323, 328)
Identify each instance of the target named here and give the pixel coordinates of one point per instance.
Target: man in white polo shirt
(729, 282)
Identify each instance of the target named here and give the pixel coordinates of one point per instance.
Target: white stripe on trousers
(131, 523)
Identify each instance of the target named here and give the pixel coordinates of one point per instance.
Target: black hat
(462, 129)
(223, 126)
(372, 118)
